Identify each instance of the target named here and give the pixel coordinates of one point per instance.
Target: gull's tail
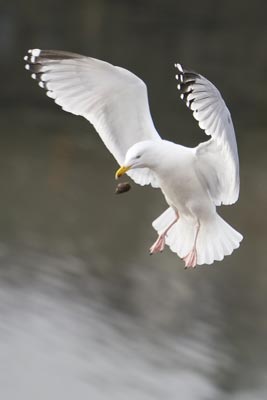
(215, 240)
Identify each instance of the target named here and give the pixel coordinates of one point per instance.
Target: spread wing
(217, 159)
(113, 99)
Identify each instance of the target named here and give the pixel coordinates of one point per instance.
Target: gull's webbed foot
(191, 259)
(158, 246)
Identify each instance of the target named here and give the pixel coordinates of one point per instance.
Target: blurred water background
(84, 311)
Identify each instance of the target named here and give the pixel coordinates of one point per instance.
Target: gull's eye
(139, 156)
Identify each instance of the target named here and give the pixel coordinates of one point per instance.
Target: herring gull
(194, 181)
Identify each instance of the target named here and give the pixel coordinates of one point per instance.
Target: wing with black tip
(113, 99)
(217, 160)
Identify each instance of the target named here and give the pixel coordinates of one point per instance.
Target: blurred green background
(84, 311)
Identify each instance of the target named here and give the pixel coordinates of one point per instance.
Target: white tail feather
(216, 238)
(165, 219)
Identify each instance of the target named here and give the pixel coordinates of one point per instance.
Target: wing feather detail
(113, 99)
(217, 162)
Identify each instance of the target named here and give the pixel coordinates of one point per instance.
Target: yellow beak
(121, 171)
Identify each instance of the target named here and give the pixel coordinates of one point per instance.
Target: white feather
(35, 52)
(113, 99)
(220, 154)
(216, 238)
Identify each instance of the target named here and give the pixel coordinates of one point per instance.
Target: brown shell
(123, 187)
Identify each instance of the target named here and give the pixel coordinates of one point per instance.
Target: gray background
(84, 311)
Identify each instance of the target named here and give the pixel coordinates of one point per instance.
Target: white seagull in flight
(193, 180)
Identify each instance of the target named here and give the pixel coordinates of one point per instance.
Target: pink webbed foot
(191, 259)
(158, 246)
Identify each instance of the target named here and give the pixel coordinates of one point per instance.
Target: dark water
(84, 311)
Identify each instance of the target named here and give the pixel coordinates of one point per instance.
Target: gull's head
(140, 155)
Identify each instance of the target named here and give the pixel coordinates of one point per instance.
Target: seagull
(194, 181)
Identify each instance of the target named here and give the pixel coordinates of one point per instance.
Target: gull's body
(179, 181)
(193, 180)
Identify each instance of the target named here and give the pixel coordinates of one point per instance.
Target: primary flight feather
(193, 180)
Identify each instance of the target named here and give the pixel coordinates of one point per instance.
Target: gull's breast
(183, 190)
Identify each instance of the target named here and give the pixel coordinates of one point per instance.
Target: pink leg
(159, 244)
(191, 258)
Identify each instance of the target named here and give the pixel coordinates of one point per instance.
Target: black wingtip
(186, 80)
